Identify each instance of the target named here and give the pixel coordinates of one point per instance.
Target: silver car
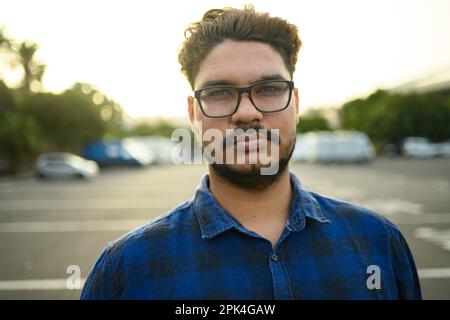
(61, 165)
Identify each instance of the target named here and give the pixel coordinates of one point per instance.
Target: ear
(297, 104)
(191, 107)
(296, 100)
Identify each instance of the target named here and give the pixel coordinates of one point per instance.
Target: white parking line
(392, 206)
(61, 284)
(36, 284)
(425, 218)
(434, 273)
(72, 226)
(439, 237)
(85, 204)
(129, 224)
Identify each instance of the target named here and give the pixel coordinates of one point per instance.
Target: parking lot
(47, 226)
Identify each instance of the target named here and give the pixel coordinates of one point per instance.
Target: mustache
(241, 132)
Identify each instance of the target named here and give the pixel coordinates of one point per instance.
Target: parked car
(62, 165)
(443, 148)
(160, 147)
(333, 146)
(119, 152)
(300, 150)
(419, 147)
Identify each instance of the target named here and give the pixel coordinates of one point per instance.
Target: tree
(388, 118)
(312, 122)
(159, 127)
(110, 111)
(7, 102)
(32, 68)
(32, 123)
(23, 55)
(19, 139)
(68, 121)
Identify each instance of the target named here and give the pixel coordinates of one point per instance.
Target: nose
(246, 112)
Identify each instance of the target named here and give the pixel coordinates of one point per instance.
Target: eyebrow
(211, 83)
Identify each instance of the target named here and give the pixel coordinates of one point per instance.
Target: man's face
(242, 63)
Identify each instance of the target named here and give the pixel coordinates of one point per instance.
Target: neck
(262, 211)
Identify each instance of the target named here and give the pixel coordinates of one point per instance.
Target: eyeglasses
(266, 96)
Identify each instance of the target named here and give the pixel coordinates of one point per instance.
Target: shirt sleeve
(408, 284)
(98, 285)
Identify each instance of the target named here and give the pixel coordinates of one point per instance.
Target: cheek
(198, 114)
(287, 125)
(288, 130)
(216, 128)
(291, 121)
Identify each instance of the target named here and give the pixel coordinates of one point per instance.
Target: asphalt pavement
(53, 231)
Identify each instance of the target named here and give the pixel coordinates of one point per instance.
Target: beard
(251, 178)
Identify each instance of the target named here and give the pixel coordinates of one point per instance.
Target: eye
(270, 88)
(217, 93)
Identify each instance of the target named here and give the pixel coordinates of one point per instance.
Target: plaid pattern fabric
(199, 251)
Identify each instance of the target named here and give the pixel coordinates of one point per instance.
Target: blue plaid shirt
(199, 251)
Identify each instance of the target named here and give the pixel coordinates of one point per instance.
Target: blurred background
(90, 93)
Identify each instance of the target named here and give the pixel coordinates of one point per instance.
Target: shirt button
(274, 257)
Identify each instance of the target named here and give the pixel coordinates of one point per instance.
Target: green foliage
(7, 101)
(22, 55)
(19, 133)
(33, 123)
(67, 121)
(48, 122)
(388, 118)
(312, 123)
(19, 139)
(5, 42)
(161, 128)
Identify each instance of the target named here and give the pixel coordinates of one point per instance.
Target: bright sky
(128, 48)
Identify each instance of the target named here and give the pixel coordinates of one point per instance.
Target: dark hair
(218, 25)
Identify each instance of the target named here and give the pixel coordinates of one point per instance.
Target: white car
(444, 148)
(333, 146)
(300, 152)
(419, 147)
(61, 164)
(160, 147)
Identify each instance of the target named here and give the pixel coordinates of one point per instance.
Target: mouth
(250, 143)
(255, 140)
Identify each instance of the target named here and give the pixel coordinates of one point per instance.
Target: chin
(246, 176)
(244, 168)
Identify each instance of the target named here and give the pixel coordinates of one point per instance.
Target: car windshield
(60, 157)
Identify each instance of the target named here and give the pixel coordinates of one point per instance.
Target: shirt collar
(303, 205)
(214, 219)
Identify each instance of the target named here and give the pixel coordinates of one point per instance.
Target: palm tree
(4, 41)
(22, 54)
(33, 69)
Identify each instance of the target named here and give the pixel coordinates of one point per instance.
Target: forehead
(240, 63)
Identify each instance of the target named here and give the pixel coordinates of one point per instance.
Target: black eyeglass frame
(242, 90)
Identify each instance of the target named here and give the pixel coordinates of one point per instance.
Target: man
(248, 235)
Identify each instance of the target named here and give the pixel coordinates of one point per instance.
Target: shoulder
(374, 238)
(156, 231)
(125, 261)
(352, 216)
